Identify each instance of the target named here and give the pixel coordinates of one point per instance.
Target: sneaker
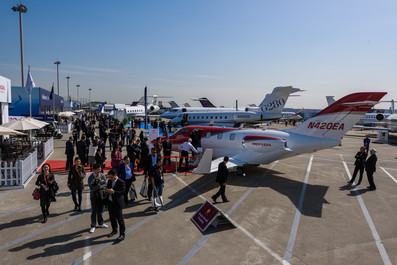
(92, 229)
(103, 226)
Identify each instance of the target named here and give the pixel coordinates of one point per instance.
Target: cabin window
(211, 117)
(220, 136)
(225, 117)
(232, 136)
(216, 117)
(220, 117)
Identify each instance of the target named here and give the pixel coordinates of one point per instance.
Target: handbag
(157, 201)
(36, 194)
(144, 188)
(133, 194)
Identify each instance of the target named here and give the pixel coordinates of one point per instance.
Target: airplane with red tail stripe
(252, 146)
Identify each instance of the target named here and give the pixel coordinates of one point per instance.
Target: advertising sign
(205, 216)
(20, 101)
(5, 90)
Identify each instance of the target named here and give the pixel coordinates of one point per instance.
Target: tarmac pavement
(293, 211)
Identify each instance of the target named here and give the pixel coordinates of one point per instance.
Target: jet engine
(380, 117)
(263, 144)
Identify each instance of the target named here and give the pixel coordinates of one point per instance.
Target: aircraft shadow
(314, 197)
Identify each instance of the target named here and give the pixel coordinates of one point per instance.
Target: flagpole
(30, 97)
(53, 103)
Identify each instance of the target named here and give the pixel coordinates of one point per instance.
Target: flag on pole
(52, 92)
(29, 84)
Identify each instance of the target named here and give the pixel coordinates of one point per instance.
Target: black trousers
(149, 189)
(167, 153)
(221, 192)
(128, 183)
(82, 158)
(186, 155)
(97, 210)
(116, 216)
(370, 176)
(356, 169)
(69, 162)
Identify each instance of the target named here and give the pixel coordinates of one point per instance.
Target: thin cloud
(94, 69)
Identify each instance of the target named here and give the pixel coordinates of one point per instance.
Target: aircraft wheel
(240, 171)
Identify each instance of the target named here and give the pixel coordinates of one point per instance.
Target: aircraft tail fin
(206, 103)
(275, 102)
(338, 118)
(330, 100)
(173, 104)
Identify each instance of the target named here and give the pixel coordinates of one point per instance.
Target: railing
(17, 173)
(48, 147)
(65, 127)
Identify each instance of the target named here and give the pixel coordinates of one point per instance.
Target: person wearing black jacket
(370, 167)
(144, 154)
(115, 189)
(100, 159)
(82, 149)
(359, 165)
(125, 172)
(45, 180)
(221, 178)
(157, 179)
(150, 162)
(96, 182)
(167, 146)
(69, 152)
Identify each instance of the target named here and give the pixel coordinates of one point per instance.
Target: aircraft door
(196, 137)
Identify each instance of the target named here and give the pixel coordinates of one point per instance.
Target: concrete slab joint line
(375, 235)
(387, 173)
(134, 227)
(294, 230)
(204, 239)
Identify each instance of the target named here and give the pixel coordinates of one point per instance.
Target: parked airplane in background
(250, 146)
(172, 113)
(137, 108)
(270, 109)
(205, 102)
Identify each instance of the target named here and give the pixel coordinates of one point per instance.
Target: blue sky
(222, 49)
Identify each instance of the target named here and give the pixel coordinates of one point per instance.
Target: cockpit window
(182, 131)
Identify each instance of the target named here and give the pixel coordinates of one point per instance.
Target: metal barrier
(65, 127)
(48, 147)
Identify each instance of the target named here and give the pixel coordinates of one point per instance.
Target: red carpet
(59, 166)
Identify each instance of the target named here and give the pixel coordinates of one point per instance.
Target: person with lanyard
(45, 181)
(126, 173)
(186, 147)
(75, 182)
(96, 183)
(157, 179)
(150, 162)
(116, 188)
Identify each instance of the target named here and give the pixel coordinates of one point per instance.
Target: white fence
(65, 127)
(48, 147)
(17, 173)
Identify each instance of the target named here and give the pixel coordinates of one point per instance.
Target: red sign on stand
(205, 215)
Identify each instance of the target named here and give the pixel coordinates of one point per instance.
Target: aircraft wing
(373, 128)
(207, 165)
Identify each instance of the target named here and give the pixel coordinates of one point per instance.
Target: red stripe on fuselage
(260, 137)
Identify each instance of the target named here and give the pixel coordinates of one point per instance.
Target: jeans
(74, 196)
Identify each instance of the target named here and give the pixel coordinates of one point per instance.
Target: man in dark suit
(221, 178)
(370, 167)
(150, 162)
(115, 189)
(126, 172)
(82, 149)
(359, 165)
(167, 146)
(69, 152)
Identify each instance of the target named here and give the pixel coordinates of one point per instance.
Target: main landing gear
(240, 171)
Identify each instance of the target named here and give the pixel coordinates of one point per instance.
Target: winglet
(204, 167)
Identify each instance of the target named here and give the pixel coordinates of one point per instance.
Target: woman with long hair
(45, 181)
(75, 182)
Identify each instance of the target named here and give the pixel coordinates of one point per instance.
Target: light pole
(67, 79)
(78, 93)
(89, 98)
(57, 63)
(21, 9)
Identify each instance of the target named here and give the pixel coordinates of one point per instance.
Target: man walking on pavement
(221, 178)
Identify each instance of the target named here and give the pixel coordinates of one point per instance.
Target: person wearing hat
(370, 167)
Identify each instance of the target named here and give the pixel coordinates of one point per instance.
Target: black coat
(370, 164)
(118, 195)
(167, 145)
(81, 147)
(69, 151)
(222, 174)
(157, 174)
(360, 159)
(75, 180)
